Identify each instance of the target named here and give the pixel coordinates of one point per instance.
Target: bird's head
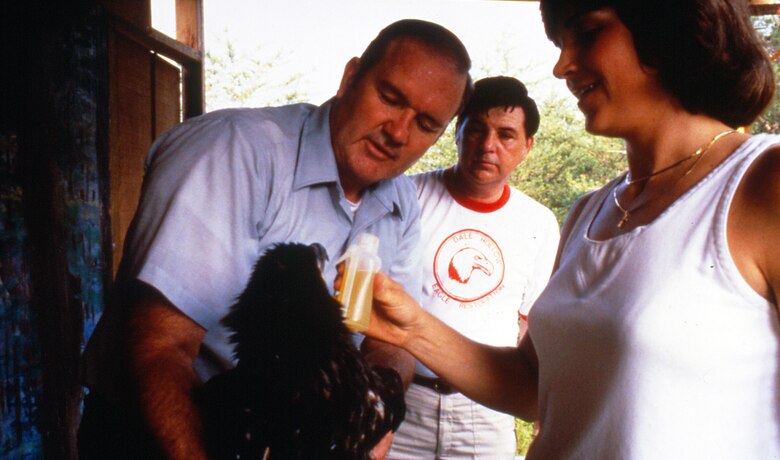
(286, 308)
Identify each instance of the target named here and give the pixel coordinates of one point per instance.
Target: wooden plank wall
(130, 130)
(145, 100)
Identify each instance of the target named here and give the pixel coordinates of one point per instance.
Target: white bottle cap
(367, 242)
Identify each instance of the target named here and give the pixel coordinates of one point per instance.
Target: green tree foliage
(442, 154)
(240, 79)
(769, 28)
(524, 433)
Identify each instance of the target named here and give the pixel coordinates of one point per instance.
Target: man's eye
(472, 130)
(388, 98)
(427, 126)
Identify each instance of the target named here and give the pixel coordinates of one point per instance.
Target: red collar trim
(479, 206)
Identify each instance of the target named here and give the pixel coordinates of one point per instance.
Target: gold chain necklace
(699, 153)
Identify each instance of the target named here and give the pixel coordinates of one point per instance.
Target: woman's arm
(502, 378)
(505, 379)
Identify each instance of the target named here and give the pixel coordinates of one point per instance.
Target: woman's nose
(565, 65)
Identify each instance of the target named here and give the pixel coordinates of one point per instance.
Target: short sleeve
(194, 235)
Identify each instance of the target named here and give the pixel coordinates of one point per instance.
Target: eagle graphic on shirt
(465, 262)
(468, 265)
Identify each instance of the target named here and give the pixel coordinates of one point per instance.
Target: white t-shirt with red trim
(484, 265)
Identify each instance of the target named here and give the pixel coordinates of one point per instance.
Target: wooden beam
(189, 23)
(159, 42)
(189, 30)
(757, 7)
(763, 9)
(186, 49)
(193, 90)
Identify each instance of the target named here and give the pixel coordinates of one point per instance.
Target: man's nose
(488, 142)
(399, 126)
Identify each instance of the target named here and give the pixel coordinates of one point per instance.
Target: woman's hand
(394, 314)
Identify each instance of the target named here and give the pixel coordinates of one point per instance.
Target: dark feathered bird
(301, 388)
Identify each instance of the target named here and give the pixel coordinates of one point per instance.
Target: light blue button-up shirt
(223, 187)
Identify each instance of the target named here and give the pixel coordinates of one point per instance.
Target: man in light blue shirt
(222, 188)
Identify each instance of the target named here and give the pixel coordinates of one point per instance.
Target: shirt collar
(316, 163)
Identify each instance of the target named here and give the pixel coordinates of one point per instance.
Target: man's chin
(484, 174)
(373, 171)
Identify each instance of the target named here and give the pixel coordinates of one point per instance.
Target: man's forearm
(165, 400)
(161, 344)
(383, 354)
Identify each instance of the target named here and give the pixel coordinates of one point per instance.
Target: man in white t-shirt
(487, 251)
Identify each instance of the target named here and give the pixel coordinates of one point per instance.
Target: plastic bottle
(357, 286)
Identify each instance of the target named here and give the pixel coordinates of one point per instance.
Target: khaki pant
(451, 426)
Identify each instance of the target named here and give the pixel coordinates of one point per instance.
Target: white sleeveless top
(651, 345)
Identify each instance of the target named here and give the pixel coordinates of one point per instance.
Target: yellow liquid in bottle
(356, 296)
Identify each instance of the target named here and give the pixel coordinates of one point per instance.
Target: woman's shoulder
(754, 223)
(761, 183)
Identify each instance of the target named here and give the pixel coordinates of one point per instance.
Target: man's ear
(529, 142)
(350, 71)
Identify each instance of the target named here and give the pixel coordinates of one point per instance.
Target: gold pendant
(623, 220)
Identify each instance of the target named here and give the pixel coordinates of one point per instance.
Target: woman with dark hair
(658, 334)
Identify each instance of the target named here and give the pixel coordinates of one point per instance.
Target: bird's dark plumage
(300, 389)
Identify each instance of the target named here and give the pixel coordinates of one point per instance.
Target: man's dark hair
(432, 35)
(706, 52)
(503, 92)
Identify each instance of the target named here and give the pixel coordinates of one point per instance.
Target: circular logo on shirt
(468, 265)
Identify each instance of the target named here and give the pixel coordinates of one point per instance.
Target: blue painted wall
(19, 354)
(53, 266)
